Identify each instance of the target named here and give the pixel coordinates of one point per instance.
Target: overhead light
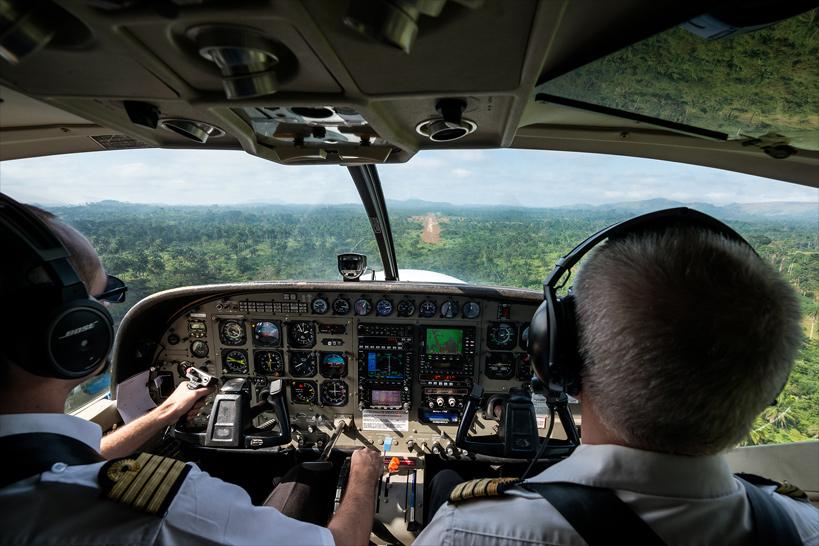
(245, 58)
(198, 131)
(450, 125)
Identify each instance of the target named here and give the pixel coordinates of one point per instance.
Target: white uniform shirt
(205, 510)
(685, 500)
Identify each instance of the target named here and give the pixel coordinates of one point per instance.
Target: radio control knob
(436, 448)
(451, 402)
(431, 404)
(440, 401)
(410, 444)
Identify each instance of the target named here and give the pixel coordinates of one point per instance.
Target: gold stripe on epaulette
(165, 487)
(147, 483)
(790, 490)
(482, 488)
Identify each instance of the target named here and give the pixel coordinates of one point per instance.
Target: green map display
(445, 341)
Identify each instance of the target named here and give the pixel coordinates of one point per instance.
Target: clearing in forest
(432, 230)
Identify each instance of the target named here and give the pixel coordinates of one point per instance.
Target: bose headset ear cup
(79, 335)
(569, 359)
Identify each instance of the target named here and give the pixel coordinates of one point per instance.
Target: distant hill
(773, 210)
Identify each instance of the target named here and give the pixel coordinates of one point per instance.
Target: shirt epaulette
(477, 489)
(783, 488)
(145, 482)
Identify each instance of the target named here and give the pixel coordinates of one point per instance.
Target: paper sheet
(133, 399)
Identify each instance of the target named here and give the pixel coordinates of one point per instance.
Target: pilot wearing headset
(682, 336)
(60, 489)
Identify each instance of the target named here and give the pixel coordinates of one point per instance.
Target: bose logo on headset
(79, 330)
(552, 339)
(62, 306)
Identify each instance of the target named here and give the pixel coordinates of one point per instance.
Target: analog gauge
(501, 335)
(363, 307)
(406, 308)
(268, 363)
(232, 332)
(199, 348)
(333, 365)
(341, 306)
(234, 361)
(427, 309)
(383, 308)
(301, 334)
(303, 392)
(197, 328)
(471, 309)
(500, 365)
(320, 305)
(268, 333)
(302, 364)
(334, 393)
(449, 309)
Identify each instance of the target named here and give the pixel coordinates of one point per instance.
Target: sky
(485, 177)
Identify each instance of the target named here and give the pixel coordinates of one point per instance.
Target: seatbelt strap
(36, 452)
(596, 513)
(772, 526)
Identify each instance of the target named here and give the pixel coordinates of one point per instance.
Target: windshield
(742, 85)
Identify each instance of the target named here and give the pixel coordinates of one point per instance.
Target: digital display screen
(386, 398)
(445, 341)
(385, 365)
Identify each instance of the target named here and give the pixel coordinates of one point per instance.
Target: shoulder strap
(597, 514)
(36, 452)
(772, 526)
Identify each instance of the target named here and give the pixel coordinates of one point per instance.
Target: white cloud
(461, 173)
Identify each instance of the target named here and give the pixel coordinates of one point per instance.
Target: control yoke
(231, 415)
(517, 436)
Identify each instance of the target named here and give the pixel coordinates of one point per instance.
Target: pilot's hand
(181, 402)
(366, 465)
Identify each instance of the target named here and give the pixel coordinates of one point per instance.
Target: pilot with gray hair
(683, 336)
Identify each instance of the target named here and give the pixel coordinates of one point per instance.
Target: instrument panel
(400, 363)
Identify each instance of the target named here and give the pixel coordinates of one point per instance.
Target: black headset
(552, 338)
(71, 333)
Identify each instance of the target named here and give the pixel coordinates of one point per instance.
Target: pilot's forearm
(352, 523)
(131, 437)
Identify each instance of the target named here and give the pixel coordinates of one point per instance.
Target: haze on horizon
(517, 178)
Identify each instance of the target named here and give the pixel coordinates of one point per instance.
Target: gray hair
(686, 337)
